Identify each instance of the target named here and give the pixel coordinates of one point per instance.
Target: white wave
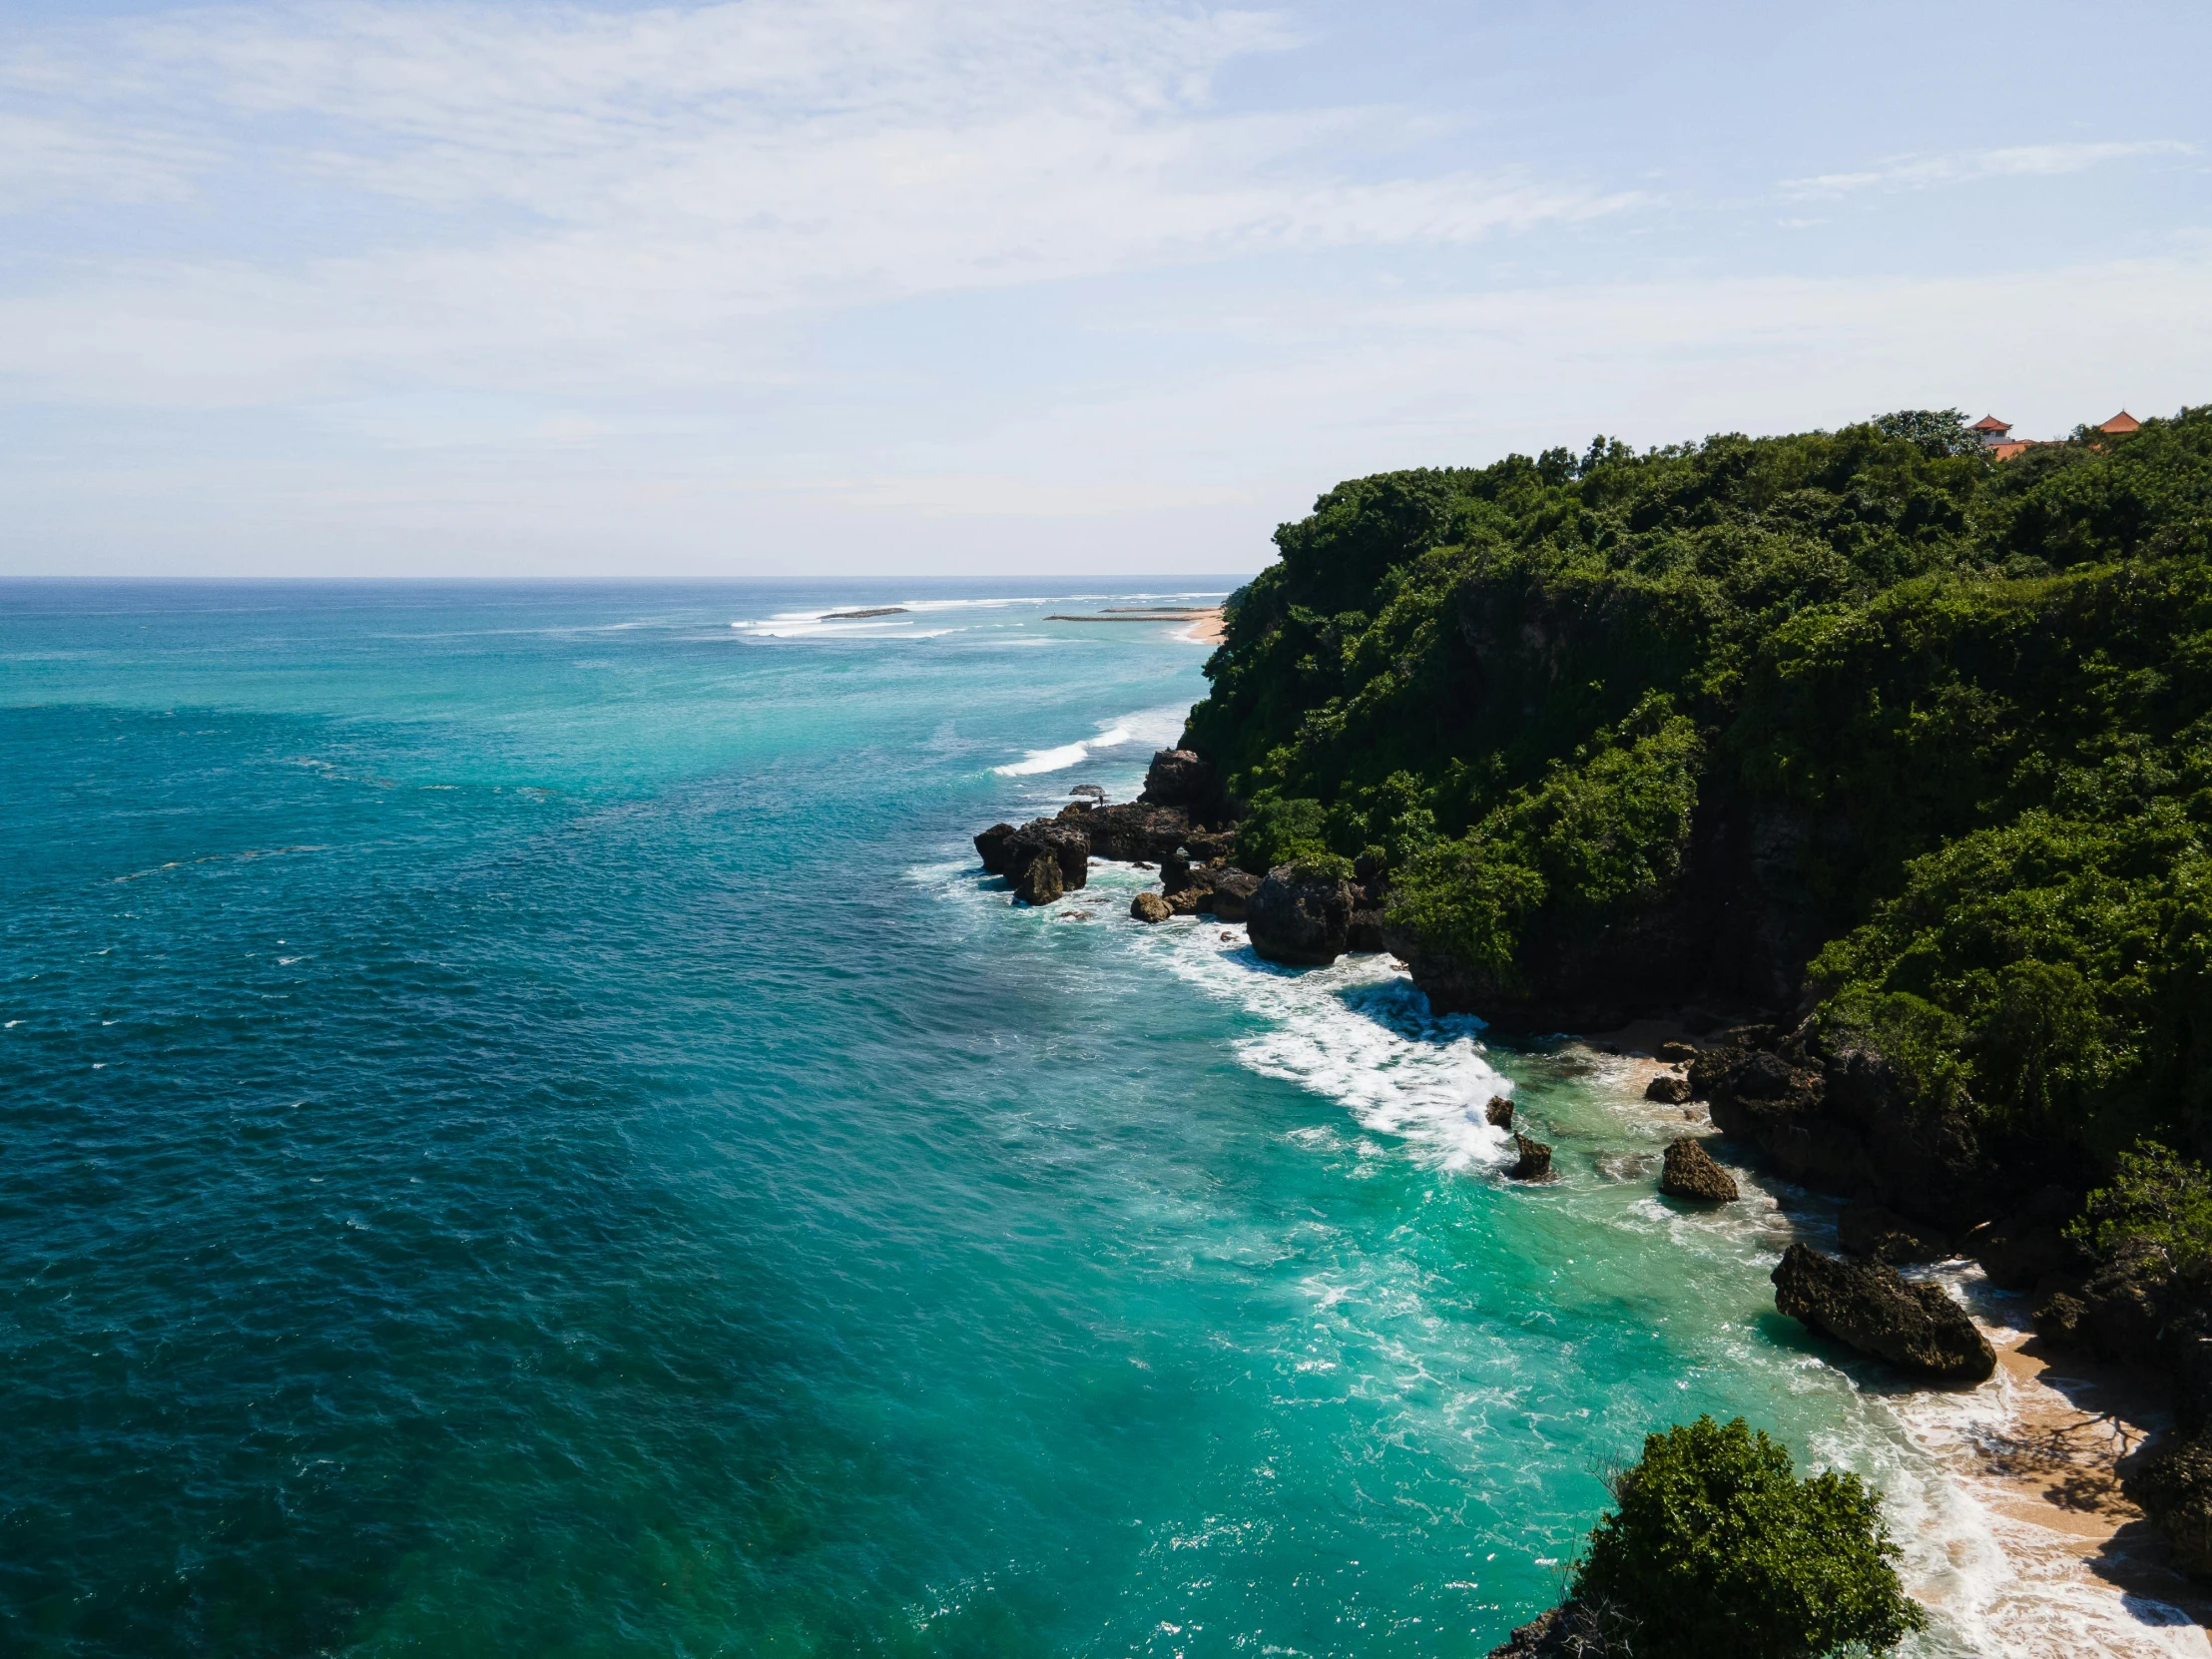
(1151, 726)
(1358, 1033)
(1045, 760)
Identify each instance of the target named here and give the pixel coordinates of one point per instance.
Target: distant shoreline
(1205, 621)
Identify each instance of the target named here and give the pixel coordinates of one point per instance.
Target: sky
(884, 287)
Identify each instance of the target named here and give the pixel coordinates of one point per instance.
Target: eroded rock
(1231, 893)
(1689, 1172)
(1176, 778)
(1150, 906)
(1500, 1112)
(1299, 914)
(1042, 882)
(1869, 1306)
(1534, 1162)
(1668, 1089)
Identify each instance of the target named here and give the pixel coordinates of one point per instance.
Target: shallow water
(522, 1129)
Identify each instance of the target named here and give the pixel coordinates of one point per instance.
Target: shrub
(1275, 832)
(1718, 1548)
(2157, 1197)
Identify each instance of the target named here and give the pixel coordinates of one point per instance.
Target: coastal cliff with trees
(1898, 755)
(1882, 763)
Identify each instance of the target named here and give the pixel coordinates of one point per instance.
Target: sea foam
(1358, 1033)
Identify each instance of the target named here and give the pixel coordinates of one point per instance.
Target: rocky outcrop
(2122, 1311)
(1041, 882)
(1231, 893)
(990, 847)
(1364, 934)
(1844, 1122)
(1534, 1162)
(1689, 1172)
(1300, 914)
(1668, 1089)
(1136, 832)
(1150, 906)
(1882, 1235)
(1006, 850)
(1177, 777)
(2172, 1485)
(1500, 1112)
(1917, 1328)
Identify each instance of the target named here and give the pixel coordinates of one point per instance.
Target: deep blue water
(522, 1130)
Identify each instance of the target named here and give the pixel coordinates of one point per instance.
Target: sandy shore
(2036, 1449)
(1207, 629)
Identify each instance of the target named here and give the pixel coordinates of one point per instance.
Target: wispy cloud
(1969, 165)
(661, 186)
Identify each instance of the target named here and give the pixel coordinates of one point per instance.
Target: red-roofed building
(1992, 430)
(2121, 425)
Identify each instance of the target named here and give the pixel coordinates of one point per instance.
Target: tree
(1718, 1548)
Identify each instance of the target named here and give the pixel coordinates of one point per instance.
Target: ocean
(525, 1129)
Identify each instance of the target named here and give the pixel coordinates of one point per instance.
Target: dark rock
(1041, 882)
(990, 847)
(1210, 847)
(1534, 1162)
(1883, 1234)
(1676, 1052)
(1189, 901)
(1175, 874)
(1568, 1631)
(1232, 893)
(1068, 844)
(1299, 914)
(1867, 1305)
(2172, 1485)
(1699, 1023)
(1500, 1112)
(1668, 1089)
(2117, 1312)
(1136, 832)
(2028, 1245)
(1176, 778)
(1364, 932)
(1149, 906)
(1691, 1173)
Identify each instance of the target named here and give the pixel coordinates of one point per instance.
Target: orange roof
(1990, 423)
(2121, 423)
(2005, 451)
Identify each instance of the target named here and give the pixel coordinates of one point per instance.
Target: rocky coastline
(1815, 1108)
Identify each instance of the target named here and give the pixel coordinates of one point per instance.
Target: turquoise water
(522, 1130)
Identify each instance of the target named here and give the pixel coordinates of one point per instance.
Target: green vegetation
(1967, 705)
(1717, 1546)
(2158, 1197)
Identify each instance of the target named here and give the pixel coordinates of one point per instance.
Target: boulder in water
(1870, 1307)
(1150, 906)
(1041, 882)
(1500, 1112)
(1668, 1089)
(990, 847)
(1534, 1162)
(1689, 1172)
